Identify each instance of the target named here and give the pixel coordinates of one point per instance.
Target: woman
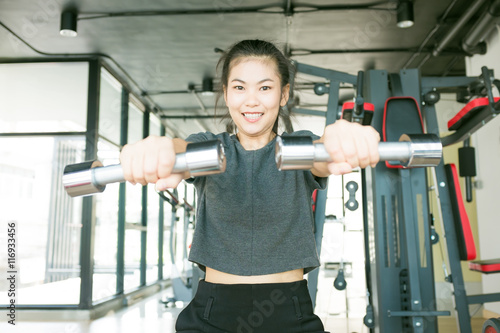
(254, 235)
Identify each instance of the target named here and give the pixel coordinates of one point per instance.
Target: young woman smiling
(254, 236)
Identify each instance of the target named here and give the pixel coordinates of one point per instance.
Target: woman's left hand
(350, 145)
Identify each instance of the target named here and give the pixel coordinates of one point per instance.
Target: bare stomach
(215, 276)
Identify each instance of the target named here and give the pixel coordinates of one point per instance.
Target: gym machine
(399, 224)
(398, 229)
(185, 281)
(481, 107)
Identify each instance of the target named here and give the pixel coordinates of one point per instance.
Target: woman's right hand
(150, 161)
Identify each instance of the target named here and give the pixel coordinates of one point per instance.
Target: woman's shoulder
(303, 133)
(206, 136)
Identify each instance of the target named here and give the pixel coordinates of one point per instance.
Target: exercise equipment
(481, 107)
(397, 221)
(352, 204)
(184, 281)
(340, 283)
(492, 325)
(87, 178)
(401, 115)
(299, 152)
(358, 111)
(465, 238)
(467, 163)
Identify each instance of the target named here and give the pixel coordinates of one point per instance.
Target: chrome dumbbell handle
(201, 158)
(416, 150)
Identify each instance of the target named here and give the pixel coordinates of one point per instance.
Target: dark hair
(254, 48)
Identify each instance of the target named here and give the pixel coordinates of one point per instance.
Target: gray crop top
(254, 219)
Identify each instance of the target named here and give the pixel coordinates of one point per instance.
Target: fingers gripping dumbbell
(415, 150)
(201, 158)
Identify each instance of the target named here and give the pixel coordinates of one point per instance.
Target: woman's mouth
(252, 116)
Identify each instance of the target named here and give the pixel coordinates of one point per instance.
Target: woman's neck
(255, 142)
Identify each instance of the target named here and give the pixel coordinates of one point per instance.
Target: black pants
(250, 308)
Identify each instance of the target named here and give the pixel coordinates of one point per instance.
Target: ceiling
(162, 49)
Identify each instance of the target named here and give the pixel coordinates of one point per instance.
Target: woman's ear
(285, 94)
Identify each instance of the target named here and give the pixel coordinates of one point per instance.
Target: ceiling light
(405, 14)
(207, 87)
(68, 24)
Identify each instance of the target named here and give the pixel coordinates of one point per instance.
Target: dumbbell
(200, 159)
(412, 150)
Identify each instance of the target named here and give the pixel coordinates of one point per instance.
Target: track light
(405, 14)
(68, 24)
(207, 86)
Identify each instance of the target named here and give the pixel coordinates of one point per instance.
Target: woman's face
(253, 95)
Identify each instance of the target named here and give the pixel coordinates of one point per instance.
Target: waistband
(245, 294)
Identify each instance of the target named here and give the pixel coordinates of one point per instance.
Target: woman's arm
(350, 145)
(151, 160)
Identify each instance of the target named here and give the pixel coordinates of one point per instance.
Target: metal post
(120, 253)
(144, 215)
(460, 296)
(335, 78)
(412, 249)
(88, 204)
(161, 227)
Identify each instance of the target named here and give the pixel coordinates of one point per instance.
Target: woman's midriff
(215, 276)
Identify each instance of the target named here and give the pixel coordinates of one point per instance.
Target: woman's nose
(251, 99)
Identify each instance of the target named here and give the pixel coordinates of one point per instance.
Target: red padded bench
(366, 116)
(465, 239)
(468, 111)
(401, 116)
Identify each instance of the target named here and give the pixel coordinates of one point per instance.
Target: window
(43, 97)
(110, 106)
(48, 220)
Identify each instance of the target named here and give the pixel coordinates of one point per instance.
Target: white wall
(487, 143)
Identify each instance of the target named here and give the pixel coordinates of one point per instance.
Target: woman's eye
(238, 87)
(265, 88)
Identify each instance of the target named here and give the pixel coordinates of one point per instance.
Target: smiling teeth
(253, 115)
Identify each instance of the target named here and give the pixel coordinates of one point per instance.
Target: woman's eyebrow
(265, 80)
(261, 81)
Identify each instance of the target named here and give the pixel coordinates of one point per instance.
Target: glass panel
(152, 235)
(110, 101)
(135, 120)
(153, 210)
(133, 210)
(154, 125)
(106, 229)
(167, 261)
(43, 97)
(182, 236)
(48, 221)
